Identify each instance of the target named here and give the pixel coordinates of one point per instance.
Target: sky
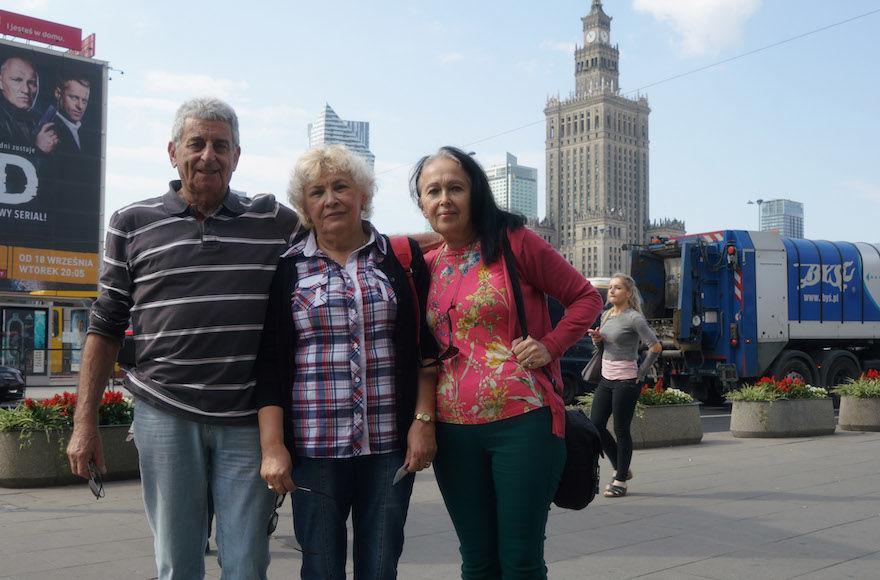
(798, 120)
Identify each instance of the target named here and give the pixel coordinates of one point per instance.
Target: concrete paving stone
(805, 521)
(777, 561)
(98, 553)
(600, 540)
(16, 566)
(635, 560)
(859, 568)
(567, 521)
(714, 528)
(438, 549)
(407, 571)
(674, 574)
(141, 568)
(818, 546)
(72, 538)
(860, 535)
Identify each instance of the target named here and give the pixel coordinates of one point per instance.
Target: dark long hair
(489, 220)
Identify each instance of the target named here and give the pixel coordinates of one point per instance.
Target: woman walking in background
(500, 417)
(623, 328)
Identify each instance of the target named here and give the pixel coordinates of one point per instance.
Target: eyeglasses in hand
(273, 519)
(96, 482)
(451, 351)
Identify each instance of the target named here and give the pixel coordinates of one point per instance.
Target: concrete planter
(44, 463)
(665, 426)
(785, 418)
(859, 414)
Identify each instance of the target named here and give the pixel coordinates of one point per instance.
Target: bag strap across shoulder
(514, 282)
(518, 297)
(403, 251)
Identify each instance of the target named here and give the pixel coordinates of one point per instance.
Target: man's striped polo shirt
(196, 296)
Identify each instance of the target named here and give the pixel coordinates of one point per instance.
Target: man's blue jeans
(362, 486)
(179, 459)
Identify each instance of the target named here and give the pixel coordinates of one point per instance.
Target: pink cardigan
(542, 270)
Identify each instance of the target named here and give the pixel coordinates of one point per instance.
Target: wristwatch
(424, 417)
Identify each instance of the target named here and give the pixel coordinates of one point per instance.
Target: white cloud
(702, 26)
(559, 46)
(450, 57)
(193, 84)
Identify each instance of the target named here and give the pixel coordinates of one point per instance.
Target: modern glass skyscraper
(328, 129)
(515, 187)
(783, 216)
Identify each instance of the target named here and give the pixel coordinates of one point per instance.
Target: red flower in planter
(872, 374)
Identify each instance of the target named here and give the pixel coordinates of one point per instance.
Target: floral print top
(484, 382)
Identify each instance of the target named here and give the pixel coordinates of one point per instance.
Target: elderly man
(20, 85)
(192, 269)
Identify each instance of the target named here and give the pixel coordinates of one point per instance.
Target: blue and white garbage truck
(732, 306)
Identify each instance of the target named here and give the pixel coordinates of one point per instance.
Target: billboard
(40, 30)
(52, 117)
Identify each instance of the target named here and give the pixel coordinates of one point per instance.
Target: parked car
(573, 360)
(12, 384)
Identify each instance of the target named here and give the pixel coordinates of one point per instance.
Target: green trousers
(497, 480)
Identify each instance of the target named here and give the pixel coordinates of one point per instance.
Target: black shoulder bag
(579, 483)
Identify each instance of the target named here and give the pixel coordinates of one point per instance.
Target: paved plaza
(724, 509)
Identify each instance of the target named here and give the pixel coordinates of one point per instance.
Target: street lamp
(757, 202)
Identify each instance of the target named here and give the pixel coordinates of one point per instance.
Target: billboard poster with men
(52, 111)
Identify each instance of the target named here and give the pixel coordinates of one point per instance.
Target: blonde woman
(623, 328)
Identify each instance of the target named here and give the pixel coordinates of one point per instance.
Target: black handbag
(579, 483)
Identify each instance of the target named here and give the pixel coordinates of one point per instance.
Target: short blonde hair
(324, 160)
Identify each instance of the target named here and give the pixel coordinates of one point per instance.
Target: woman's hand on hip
(531, 353)
(277, 468)
(421, 445)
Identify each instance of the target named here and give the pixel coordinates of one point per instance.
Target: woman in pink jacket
(500, 416)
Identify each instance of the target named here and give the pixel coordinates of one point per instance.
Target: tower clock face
(604, 35)
(591, 36)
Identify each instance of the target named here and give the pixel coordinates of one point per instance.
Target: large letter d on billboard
(30, 175)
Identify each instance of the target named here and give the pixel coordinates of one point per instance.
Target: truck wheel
(837, 367)
(795, 364)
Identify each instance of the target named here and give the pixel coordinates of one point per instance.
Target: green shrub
(768, 389)
(55, 415)
(866, 386)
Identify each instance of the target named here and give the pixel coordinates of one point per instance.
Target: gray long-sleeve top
(621, 335)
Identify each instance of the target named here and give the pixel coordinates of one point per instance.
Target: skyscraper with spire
(329, 128)
(597, 158)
